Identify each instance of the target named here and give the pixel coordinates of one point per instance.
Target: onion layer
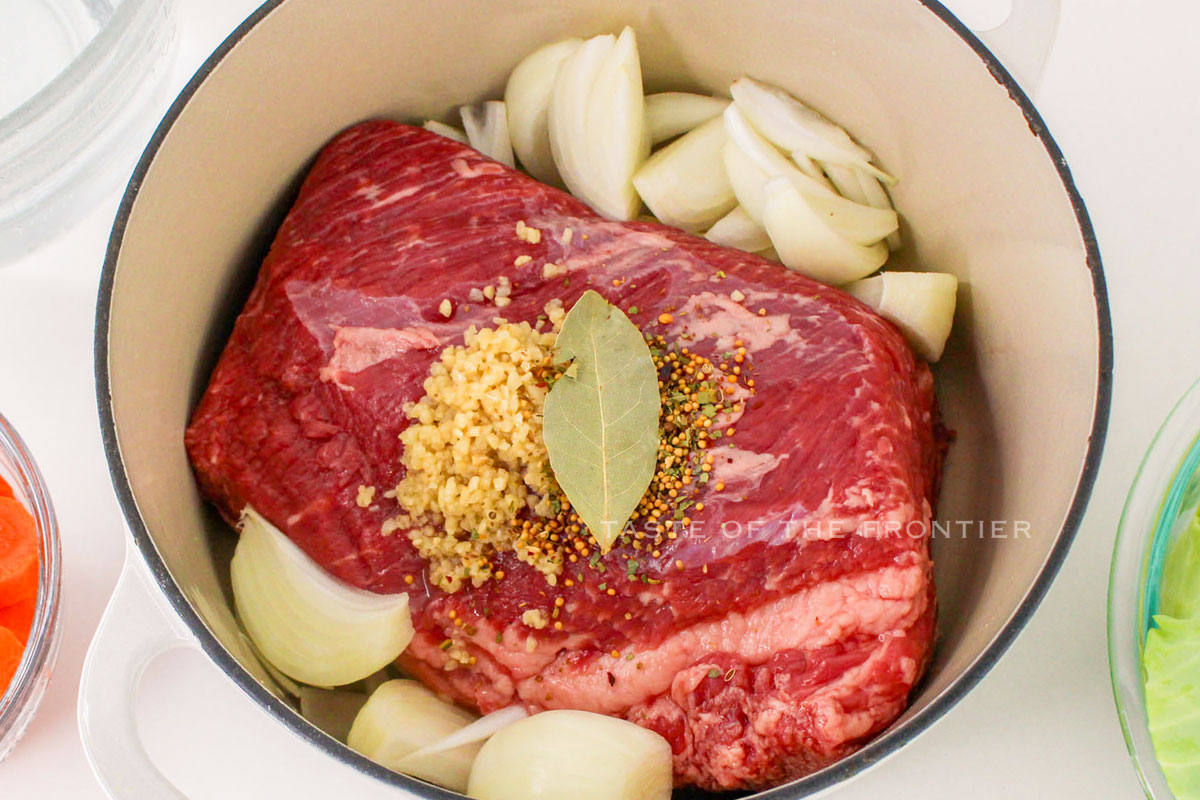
(845, 180)
(747, 180)
(527, 98)
(487, 130)
(856, 185)
(920, 303)
(669, 114)
(400, 718)
(310, 626)
(442, 129)
(877, 197)
(475, 733)
(684, 183)
(808, 244)
(738, 230)
(810, 168)
(572, 754)
(766, 158)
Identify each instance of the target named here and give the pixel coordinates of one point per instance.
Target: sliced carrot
(18, 553)
(18, 617)
(5, 489)
(11, 649)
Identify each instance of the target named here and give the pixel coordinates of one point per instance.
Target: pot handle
(1024, 40)
(136, 628)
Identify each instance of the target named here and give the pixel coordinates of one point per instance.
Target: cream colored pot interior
(980, 196)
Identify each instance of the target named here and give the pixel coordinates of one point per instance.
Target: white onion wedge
(845, 180)
(331, 710)
(808, 244)
(478, 731)
(684, 183)
(572, 754)
(442, 129)
(567, 115)
(860, 224)
(746, 179)
(771, 254)
(527, 98)
(486, 125)
(400, 718)
(669, 114)
(596, 122)
(810, 168)
(619, 104)
(856, 185)
(310, 626)
(877, 197)
(758, 162)
(793, 126)
(738, 230)
(920, 303)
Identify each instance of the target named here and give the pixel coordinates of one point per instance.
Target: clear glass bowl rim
(42, 646)
(1151, 507)
(67, 145)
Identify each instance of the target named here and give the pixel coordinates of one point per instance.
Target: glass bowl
(20, 701)
(84, 81)
(1164, 497)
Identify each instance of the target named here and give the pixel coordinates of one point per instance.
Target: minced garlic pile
(474, 454)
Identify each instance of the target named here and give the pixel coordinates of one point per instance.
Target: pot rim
(874, 751)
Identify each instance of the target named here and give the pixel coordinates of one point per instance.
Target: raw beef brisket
(779, 635)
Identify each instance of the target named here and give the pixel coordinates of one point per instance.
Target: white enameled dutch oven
(985, 194)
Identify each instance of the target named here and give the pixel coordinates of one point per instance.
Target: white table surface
(1120, 97)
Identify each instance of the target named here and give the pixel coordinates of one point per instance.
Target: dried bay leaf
(601, 423)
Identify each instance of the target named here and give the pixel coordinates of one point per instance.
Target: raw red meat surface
(778, 636)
